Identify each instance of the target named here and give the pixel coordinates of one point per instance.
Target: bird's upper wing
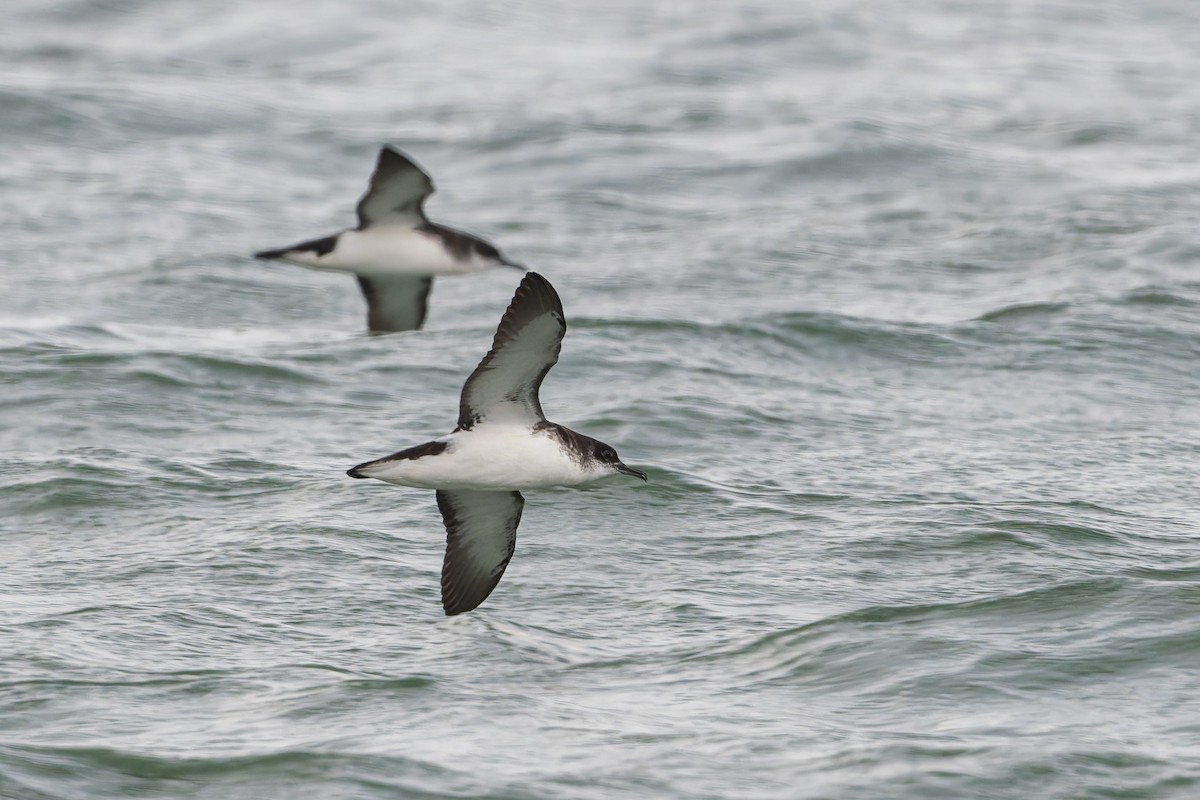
(505, 384)
(395, 302)
(396, 193)
(481, 534)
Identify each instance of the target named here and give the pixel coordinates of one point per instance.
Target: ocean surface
(898, 304)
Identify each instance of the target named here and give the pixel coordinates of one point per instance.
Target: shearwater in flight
(395, 251)
(503, 444)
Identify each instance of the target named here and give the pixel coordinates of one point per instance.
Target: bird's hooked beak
(624, 470)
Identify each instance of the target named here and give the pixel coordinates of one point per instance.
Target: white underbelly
(393, 250)
(481, 459)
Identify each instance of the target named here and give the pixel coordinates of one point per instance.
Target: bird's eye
(608, 454)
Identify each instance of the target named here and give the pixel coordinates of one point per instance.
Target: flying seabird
(395, 251)
(503, 444)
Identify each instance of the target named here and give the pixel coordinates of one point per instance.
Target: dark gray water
(898, 304)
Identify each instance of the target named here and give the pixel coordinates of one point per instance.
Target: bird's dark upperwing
(396, 193)
(395, 302)
(504, 387)
(481, 534)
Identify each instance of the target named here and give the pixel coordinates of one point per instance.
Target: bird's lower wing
(481, 534)
(395, 302)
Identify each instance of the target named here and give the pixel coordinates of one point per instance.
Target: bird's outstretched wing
(504, 387)
(395, 302)
(481, 534)
(396, 193)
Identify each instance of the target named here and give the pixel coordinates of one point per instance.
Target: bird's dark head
(604, 459)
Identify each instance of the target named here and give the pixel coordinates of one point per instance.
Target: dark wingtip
(353, 472)
(455, 606)
(513, 264)
(387, 153)
(535, 282)
(270, 255)
(533, 296)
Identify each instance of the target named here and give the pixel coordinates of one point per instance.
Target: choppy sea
(898, 304)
